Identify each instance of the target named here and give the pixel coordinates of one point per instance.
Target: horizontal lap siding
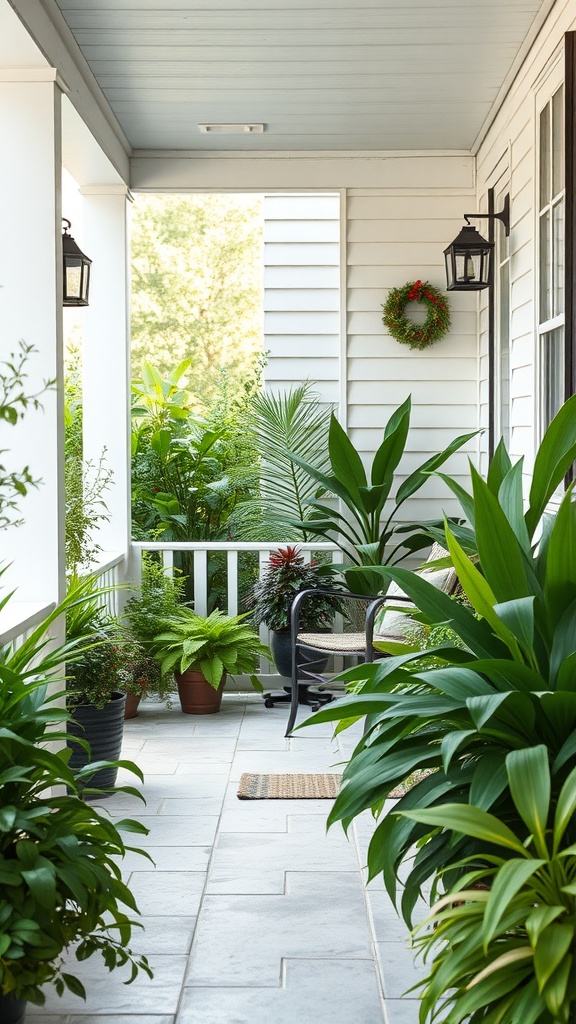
(514, 133)
(302, 292)
(392, 239)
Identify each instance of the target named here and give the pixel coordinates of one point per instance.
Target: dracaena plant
(368, 529)
(500, 946)
(510, 687)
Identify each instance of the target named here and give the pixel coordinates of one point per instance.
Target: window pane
(544, 267)
(552, 362)
(558, 236)
(558, 142)
(504, 340)
(545, 157)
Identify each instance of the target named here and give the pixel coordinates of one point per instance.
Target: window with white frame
(551, 257)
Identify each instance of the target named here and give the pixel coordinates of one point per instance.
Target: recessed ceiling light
(232, 129)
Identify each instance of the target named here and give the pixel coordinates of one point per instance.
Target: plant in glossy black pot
(272, 595)
(95, 697)
(201, 650)
(61, 890)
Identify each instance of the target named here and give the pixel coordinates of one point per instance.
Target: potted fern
(201, 651)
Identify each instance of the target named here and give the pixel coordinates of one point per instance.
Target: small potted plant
(202, 650)
(137, 669)
(273, 593)
(159, 597)
(95, 697)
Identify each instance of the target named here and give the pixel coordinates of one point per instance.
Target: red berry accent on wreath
(404, 330)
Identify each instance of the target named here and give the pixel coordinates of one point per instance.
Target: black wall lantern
(76, 270)
(469, 256)
(470, 267)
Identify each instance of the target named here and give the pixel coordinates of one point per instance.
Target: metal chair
(357, 645)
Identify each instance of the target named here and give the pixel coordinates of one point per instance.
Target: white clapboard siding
(513, 135)
(302, 292)
(393, 239)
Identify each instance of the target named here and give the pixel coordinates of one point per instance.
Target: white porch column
(30, 309)
(106, 377)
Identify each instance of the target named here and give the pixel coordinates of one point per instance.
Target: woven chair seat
(340, 643)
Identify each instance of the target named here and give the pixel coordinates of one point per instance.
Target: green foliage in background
(196, 286)
(15, 400)
(187, 471)
(85, 482)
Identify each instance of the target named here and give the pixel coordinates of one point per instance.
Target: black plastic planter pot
(11, 1010)
(103, 728)
(281, 646)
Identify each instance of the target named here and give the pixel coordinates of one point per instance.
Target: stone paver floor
(252, 913)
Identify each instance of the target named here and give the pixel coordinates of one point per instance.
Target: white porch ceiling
(320, 74)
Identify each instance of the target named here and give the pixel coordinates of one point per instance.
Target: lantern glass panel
(73, 278)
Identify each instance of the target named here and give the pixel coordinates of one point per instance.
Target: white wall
(511, 143)
(302, 292)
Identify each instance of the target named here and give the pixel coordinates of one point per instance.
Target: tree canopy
(196, 286)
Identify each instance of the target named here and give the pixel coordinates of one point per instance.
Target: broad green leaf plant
(213, 645)
(512, 686)
(61, 887)
(501, 944)
(367, 527)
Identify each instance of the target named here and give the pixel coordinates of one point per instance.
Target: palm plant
(282, 424)
(509, 688)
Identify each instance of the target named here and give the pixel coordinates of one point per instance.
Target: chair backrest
(396, 624)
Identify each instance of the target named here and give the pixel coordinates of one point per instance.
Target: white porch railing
(201, 551)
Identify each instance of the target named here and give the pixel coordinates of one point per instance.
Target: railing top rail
(105, 560)
(228, 545)
(21, 616)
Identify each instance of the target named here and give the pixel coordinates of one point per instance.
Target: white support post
(30, 310)
(105, 354)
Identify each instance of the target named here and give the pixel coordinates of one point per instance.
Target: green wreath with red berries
(405, 330)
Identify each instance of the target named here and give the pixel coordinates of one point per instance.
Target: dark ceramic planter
(11, 1010)
(281, 646)
(103, 728)
(197, 696)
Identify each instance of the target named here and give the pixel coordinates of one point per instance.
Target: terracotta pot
(133, 702)
(197, 697)
(11, 1010)
(103, 728)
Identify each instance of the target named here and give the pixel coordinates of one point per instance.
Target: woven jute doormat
(255, 786)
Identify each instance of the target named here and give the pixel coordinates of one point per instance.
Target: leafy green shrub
(161, 595)
(509, 688)
(501, 943)
(61, 887)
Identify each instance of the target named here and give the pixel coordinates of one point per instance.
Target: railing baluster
(201, 582)
(168, 561)
(232, 580)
